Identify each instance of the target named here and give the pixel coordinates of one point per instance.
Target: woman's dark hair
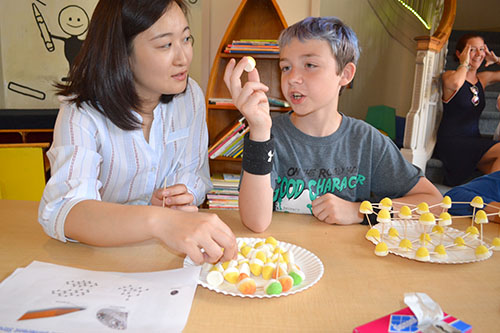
(101, 75)
(462, 42)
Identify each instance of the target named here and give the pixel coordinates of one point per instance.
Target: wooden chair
(23, 168)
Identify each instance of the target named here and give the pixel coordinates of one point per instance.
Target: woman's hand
(176, 197)
(490, 57)
(201, 236)
(250, 98)
(464, 57)
(331, 209)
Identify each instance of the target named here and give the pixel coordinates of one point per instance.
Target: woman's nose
(181, 55)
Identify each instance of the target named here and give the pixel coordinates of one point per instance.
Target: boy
(316, 160)
(487, 187)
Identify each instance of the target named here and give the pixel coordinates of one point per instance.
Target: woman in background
(459, 144)
(132, 122)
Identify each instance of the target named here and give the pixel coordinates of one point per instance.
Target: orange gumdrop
(247, 286)
(242, 276)
(281, 273)
(286, 282)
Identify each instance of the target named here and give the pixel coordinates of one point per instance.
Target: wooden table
(357, 286)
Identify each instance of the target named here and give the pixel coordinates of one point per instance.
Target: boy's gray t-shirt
(355, 163)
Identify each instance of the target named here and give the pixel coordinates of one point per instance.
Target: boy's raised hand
(250, 98)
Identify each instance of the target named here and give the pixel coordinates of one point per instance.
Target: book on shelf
(244, 41)
(236, 145)
(224, 194)
(253, 46)
(229, 141)
(226, 136)
(220, 101)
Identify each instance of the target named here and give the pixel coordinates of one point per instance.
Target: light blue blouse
(92, 159)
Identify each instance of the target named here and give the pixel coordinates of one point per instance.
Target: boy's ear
(347, 74)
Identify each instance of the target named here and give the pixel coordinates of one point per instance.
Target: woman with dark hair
(459, 145)
(129, 157)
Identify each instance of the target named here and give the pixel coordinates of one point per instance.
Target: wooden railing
(422, 121)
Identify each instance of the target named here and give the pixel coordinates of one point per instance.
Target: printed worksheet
(45, 297)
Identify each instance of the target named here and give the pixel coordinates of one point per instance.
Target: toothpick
(164, 187)
(278, 263)
(368, 218)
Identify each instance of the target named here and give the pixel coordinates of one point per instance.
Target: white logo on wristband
(270, 154)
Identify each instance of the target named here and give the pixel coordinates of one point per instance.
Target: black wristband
(257, 156)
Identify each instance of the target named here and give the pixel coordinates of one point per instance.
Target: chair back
(22, 171)
(383, 118)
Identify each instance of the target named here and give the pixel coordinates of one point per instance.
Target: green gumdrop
(297, 279)
(274, 288)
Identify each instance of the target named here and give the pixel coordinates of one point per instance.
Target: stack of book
(267, 46)
(224, 194)
(231, 143)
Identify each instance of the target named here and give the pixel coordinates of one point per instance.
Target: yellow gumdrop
(373, 233)
(245, 250)
(405, 244)
(482, 251)
(405, 212)
(258, 244)
(384, 216)
(440, 249)
(225, 265)
(425, 238)
(438, 229)
(422, 207)
(261, 255)
(393, 232)
(477, 202)
(446, 203)
(231, 275)
(288, 257)
(496, 244)
(444, 219)
(472, 231)
(381, 249)
(271, 240)
(481, 217)
(422, 254)
(256, 266)
(366, 207)
(427, 219)
(459, 241)
(267, 271)
(278, 250)
(386, 203)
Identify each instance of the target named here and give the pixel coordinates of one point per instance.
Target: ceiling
(479, 15)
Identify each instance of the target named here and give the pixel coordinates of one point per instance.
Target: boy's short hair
(342, 39)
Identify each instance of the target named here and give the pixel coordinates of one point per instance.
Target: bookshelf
(254, 19)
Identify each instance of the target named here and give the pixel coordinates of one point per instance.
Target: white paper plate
(413, 231)
(309, 263)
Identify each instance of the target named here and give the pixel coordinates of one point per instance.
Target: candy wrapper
(422, 315)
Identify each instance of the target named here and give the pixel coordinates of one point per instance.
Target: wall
(218, 13)
(478, 15)
(384, 76)
(28, 66)
(385, 68)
